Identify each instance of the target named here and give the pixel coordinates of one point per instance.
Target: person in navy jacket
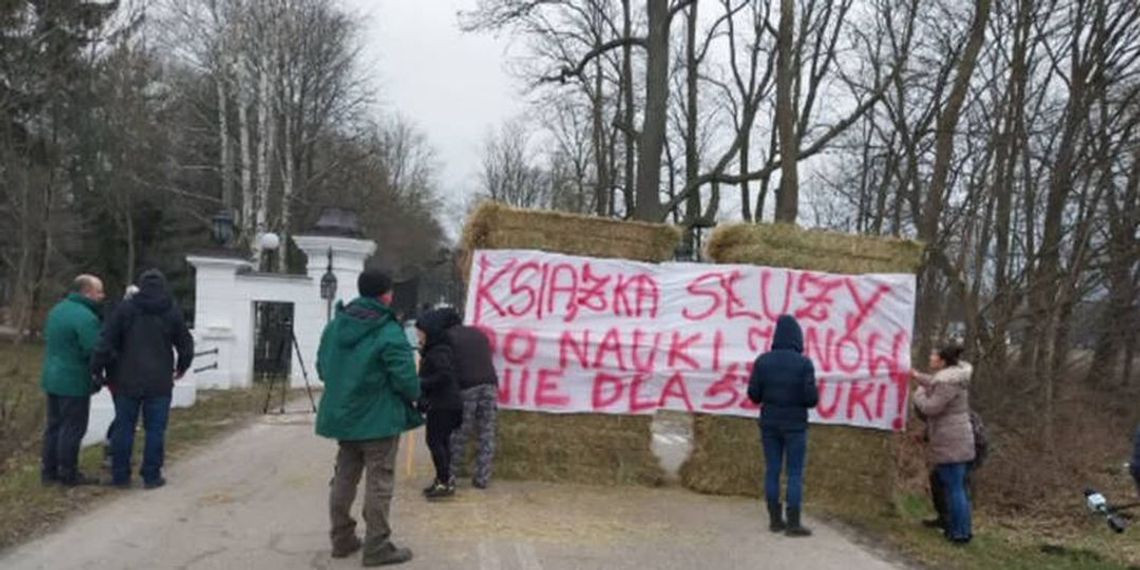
(783, 381)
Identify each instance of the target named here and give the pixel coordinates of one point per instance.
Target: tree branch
(577, 71)
(717, 173)
(679, 6)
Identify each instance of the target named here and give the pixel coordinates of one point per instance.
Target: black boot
(776, 517)
(440, 490)
(795, 529)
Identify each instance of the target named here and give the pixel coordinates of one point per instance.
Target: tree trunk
(745, 191)
(1007, 152)
(132, 255)
(944, 151)
(692, 154)
(597, 104)
(1043, 296)
(787, 197)
(628, 109)
(265, 143)
(248, 229)
(647, 194)
(225, 155)
(288, 177)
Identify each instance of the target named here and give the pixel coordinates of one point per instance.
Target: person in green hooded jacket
(71, 332)
(370, 390)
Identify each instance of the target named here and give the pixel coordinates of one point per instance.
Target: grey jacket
(945, 404)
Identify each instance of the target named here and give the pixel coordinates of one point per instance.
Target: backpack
(981, 439)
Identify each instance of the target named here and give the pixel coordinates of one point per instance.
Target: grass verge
(1008, 545)
(28, 508)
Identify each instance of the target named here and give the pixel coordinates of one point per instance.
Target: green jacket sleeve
(322, 358)
(87, 333)
(399, 362)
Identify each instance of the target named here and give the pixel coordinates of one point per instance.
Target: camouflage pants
(480, 408)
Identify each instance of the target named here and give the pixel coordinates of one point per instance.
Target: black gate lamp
(328, 281)
(223, 228)
(328, 284)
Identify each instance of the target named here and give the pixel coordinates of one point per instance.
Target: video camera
(1099, 505)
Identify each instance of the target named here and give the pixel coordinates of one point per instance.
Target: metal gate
(273, 340)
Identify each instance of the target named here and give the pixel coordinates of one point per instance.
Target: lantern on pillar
(328, 287)
(223, 228)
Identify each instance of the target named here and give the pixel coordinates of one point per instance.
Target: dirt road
(257, 500)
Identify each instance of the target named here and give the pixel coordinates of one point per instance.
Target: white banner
(575, 334)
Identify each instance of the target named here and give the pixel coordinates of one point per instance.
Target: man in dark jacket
(71, 332)
(137, 350)
(479, 384)
(783, 381)
(442, 399)
(369, 373)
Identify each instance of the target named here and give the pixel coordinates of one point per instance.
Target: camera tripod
(282, 347)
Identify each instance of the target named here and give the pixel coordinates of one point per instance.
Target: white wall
(225, 294)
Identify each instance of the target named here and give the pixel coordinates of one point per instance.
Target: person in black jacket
(107, 443)
(136, 348)
(441, 396)
(479, 385)
(783, 380)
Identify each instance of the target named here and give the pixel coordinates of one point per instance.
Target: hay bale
(576, 448)
(581, 448)
(860, 464)
(783, 245)
(497, 226)
(848, 469)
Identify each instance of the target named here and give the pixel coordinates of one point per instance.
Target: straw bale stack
(583, 448)
(848, 468)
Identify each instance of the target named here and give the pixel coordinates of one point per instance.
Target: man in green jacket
(371, 385)
(71, 332)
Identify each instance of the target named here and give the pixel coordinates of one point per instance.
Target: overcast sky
(452, 84)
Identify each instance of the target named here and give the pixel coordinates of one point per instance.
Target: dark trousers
(938, 494)
(782, 446)
(440, 425)
(108, 442)
(155, 414)
(378, 457)
(63, 433)
(953, 476)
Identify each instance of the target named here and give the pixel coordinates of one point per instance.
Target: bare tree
(509, 174)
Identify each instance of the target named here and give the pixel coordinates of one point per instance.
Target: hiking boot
(387, 557)
(79, 480)
(795, 529)
(155, 484)
(440, 491)
(776, 518)
(479, 484)
(347, 548)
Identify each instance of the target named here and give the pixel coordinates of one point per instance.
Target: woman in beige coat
(943, 399)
